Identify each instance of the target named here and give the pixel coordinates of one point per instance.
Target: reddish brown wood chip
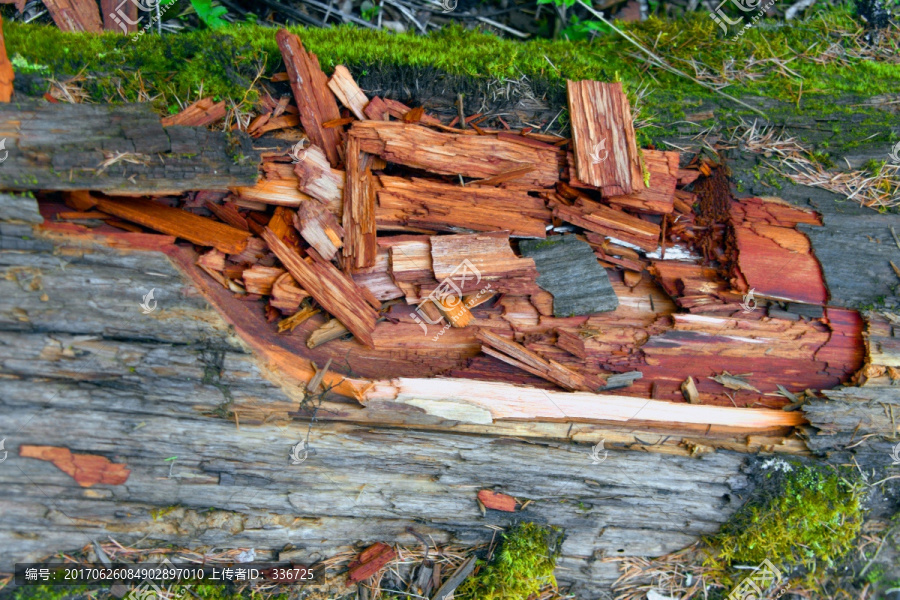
(314, 100)
(6, 70)
(86, 469)
(370, 561)
(201, 113)
(497, 501)
(177, 222)
(75, 15)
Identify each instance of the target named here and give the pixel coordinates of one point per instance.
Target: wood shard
(568, 269)
(173, 221)
(606, 154)
(86, 469)
(75, 15)
(659, 196)
(477, 156)
(6, 70)
(316, 177)
(319, 228)
(370, 561)
(336, 293)
(344, 87)
(519, 356)
(477, 261)
(315, 102)
(420, 204)
(359, 209)
(201, 113)
(497, 501)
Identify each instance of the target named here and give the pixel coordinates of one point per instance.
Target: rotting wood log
(118, 149)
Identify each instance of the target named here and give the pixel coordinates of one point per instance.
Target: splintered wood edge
(467, 405)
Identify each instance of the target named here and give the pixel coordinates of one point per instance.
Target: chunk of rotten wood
(517, 355)
(606, 154)
(286, 295)
(333, 290)
(360, 245)
(568, 269)
(6, 70)
(476, 156)
(121, 17)
(370, 561)
(689, 389)
(659, 196)
(75, 15)
(593, 216)
(379, 109)
(315, 103)
(316, 177)
(319, 228)
(469, 262)
(86, 469)
(173, 221)
(497, 501)
(201, 113)
(431, 205)
(344, 87)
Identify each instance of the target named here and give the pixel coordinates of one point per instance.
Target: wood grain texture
(332, 289)
(344, 87)
(314, 100)
(421, 204)
(359, 224)
(606, 154)
(457, 154)
(75, 15)
(64, 147)
(177, 222)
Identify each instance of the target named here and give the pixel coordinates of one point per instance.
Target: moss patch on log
(225, 63)
(805, 519)
(520, 568)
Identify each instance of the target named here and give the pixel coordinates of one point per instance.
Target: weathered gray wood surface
(65, 146)
(568, 269)
(84, 368)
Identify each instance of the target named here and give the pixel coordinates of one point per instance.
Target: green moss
(523, 564)
(226, 62)
(806, 518)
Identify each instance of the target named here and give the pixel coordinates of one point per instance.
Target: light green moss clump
(227, 61)
(805, 519)
(521, 567)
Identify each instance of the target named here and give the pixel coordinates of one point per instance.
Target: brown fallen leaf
(734, 382)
